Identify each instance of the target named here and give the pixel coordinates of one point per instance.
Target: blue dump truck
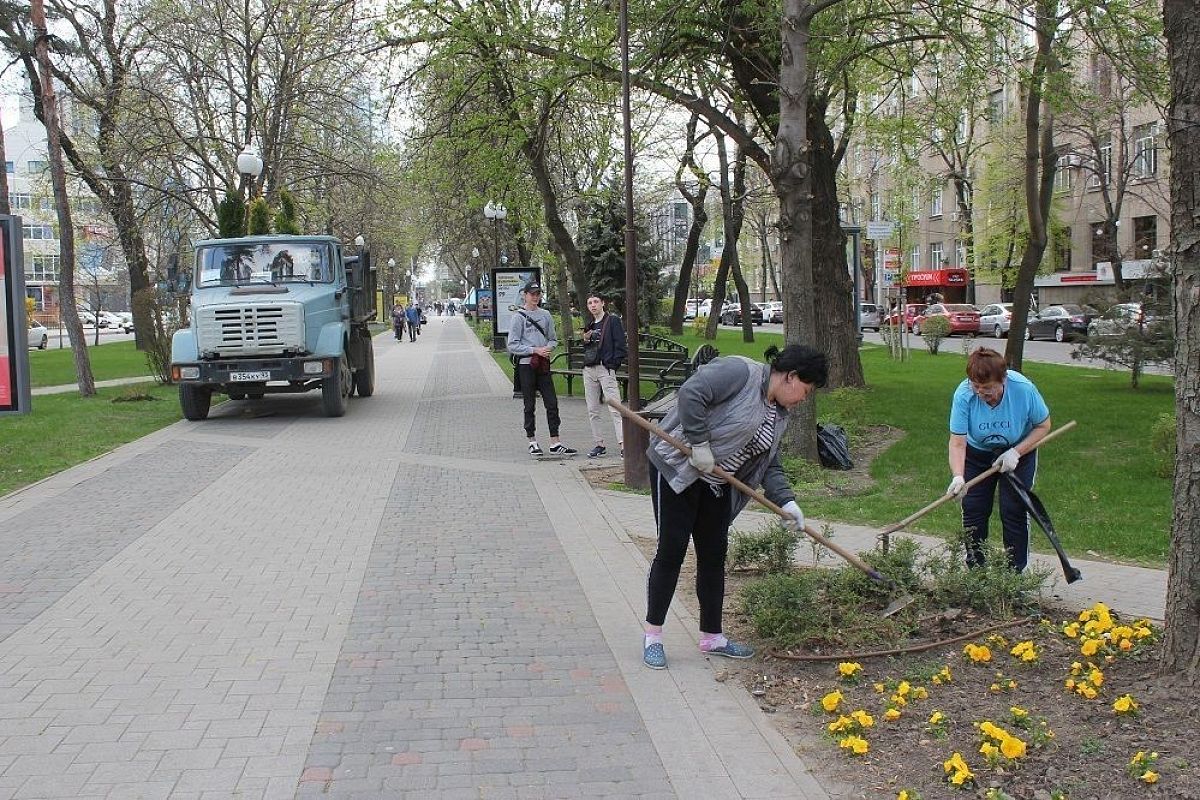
(272, 314)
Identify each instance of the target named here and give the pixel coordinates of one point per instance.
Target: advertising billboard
(507, 285)
(14, 353)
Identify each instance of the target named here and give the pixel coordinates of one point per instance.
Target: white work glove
(956, 486)
(702, 457)
(1007, 461)
(797, 516)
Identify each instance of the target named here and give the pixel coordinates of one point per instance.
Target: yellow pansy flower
(855, 744)
(1018, 712)
(1012, 747)
(863, 718)
(936, 717)
(1090, 647)
(1150, 776)
(1125, 704)
(848, 669)
(831, 701)
(892, 714)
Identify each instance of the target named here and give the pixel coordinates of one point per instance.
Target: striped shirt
(760, 443)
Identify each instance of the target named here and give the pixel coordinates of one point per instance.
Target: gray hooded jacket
(724, 404)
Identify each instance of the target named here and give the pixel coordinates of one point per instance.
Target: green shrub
(231, 216)
(1162, 442)
(260, 217)
(992, 589)
(285, 218)
(934, 330)
(770, 550)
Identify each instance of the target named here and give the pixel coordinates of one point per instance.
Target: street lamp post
(250, 166)
(391, 283)
(497, 214)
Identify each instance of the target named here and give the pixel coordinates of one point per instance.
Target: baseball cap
(531, 287)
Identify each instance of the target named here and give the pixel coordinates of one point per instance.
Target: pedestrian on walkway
(414, 322)
(733, 413)
(398, 321)
(997, 416)
(604, 352)
(531, 339)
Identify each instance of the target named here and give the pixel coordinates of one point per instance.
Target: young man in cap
(530, 334)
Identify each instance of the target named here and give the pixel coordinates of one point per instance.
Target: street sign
(880, 229)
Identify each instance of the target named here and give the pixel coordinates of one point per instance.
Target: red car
(911, 312)
(963, 318)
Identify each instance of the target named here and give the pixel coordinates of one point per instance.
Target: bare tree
(66, 233)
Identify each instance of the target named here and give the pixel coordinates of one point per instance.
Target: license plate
(249, 376)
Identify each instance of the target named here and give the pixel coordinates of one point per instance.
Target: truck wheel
(364, 378)
(335, 390)
(195, 401)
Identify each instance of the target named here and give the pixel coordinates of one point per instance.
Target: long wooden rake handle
(851, 558)
(978, 478)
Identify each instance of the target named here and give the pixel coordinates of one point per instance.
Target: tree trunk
(1181, 644)
(699, 220)
(733, 195)
(1039, 176)
(792, 180)
(66, 233)
(561, 241)
(833, 287)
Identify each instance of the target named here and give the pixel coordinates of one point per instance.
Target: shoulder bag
(591, 349)
(539, 363)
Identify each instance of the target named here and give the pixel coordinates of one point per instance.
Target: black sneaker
(535, 449)
(561, 449)
(597, 451)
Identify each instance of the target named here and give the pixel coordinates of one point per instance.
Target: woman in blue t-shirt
(997, 416)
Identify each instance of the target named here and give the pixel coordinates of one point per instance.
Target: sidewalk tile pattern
(472, 665)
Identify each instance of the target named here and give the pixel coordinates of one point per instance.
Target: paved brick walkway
(395, 603)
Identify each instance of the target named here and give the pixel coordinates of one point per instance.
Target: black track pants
(703, 517)
(977, 507)
(533, 384)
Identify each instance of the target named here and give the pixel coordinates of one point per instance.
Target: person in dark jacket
(733, 414)
(414, 321)
(605, 336)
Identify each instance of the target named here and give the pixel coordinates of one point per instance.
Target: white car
(1124, 317)
(125, 321)
(39, 337)
(996, 319)
(109, 320)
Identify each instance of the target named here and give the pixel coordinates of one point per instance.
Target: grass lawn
(55, 367)
(64, 430)
(1098, 481)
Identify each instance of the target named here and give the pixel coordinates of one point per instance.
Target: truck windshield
(263, 262)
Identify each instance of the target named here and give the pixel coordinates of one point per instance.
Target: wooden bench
(661, 361)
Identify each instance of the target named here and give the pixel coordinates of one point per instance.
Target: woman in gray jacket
(733, 413)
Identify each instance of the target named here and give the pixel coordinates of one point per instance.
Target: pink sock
(712, 641)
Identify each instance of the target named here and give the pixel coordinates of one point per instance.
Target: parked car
(732, 315)
(773, 312)
(996, 319)
(963, 318)
(88, 318)
(869, 318)
(911, 312)
(1123, 317)
(689, 309)
(38, 336)
(1061, 322)
(109, 320)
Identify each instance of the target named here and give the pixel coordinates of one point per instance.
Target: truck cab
(275, 314)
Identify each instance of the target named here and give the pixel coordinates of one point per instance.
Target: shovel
(899, 604)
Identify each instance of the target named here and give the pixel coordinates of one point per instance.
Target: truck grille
(233, 330)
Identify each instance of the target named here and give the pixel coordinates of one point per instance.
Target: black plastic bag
(833, 447)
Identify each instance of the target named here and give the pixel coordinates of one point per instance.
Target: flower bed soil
(1086, 759)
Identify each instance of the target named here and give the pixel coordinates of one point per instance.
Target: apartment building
(1110, 202)
(100, 275)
